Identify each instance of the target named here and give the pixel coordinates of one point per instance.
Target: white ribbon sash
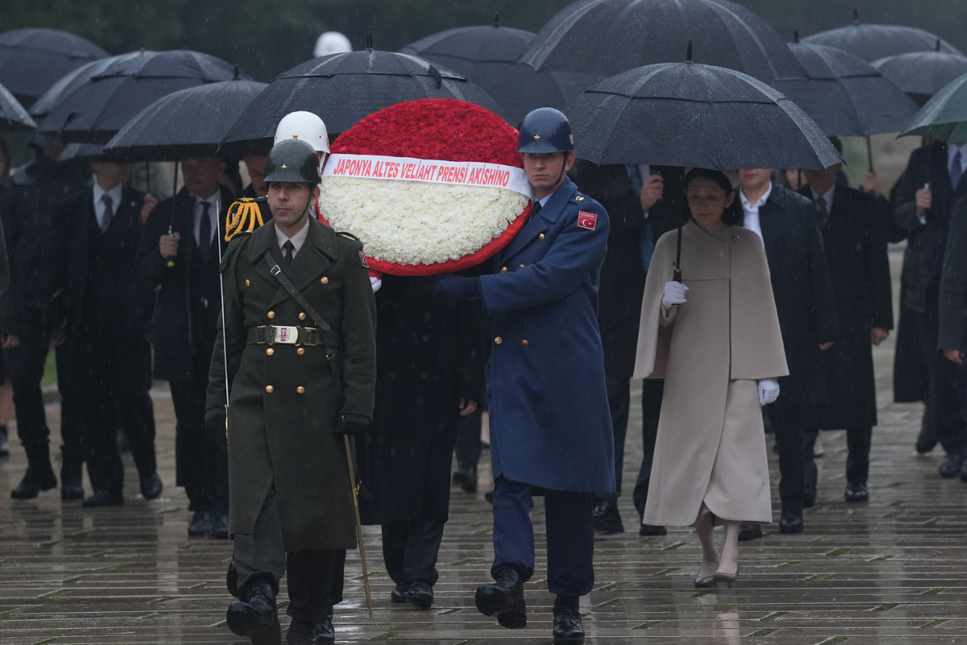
(461, 173)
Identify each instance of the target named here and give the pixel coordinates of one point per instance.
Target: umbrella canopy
(844, 95)
(610, 36)
(688, 114)
(187, 123)
(71, 81)
(31, 60)
(13, 116)
(344, 88)
(872, 42)
(921, 74)
(487, 56)
(944, 117)
(98, 108)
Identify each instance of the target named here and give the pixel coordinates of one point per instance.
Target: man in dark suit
(179, 256)
(643, 203)
(953, 299)
(926, 193)
(107, 338)
(854, 241)
(786, 222)
(255, 164)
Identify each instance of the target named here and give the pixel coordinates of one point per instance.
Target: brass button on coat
(522, 266)
(498, 340)
(248, 283)
(503, 269)
(269, 389)
(300, 390)
(269, 351)
(324, 280)
(271, 314)
(300, 351)
(524, 342)
(302, 316)
(541, 236)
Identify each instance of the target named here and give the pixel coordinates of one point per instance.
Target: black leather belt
(283, 335)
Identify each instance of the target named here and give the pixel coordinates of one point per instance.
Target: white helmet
(305, 126)
(332, 42)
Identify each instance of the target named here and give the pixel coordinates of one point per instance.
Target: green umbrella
(944, 117)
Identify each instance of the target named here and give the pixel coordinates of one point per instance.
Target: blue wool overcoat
(550, 423)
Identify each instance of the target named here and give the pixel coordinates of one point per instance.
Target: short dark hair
(733, 214)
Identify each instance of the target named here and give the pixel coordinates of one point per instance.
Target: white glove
(375, 283)
(674, 294)
(768, 391)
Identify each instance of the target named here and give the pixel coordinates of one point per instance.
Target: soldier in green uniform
(301, 369)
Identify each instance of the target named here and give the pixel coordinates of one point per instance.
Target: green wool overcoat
(284, 403)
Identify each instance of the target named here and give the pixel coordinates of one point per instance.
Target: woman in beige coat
(714, 337)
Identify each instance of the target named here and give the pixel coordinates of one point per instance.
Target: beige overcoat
(710, 351)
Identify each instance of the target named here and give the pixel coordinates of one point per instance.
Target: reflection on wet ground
(889, 571)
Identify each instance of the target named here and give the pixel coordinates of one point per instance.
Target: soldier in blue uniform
(550, 423)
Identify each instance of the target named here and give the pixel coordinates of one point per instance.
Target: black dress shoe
(303, 633)
(231, 579)
(857, 492)
(568, 629)
(420, 594)
(104, 498)
(200, 524)
(151, 486)
(505, 598)
(927, 439)
(254, 614)
(217, 525)
(652, 530)
(951, 465)
(398, 595)
(36, 479)
(790, 522)
(4, 443)
(809, 497)
(466, 480)
(71, 488)
(606, 517)
(749, 531)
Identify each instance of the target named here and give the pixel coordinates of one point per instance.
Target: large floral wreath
(430, 186)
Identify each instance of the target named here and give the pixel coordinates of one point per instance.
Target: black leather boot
(568, 629)
(36, 479)
(305, 633)
(505, 598)
(254, 614)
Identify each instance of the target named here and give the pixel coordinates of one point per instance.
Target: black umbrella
(97, 109)
(922, 74)
(31, 60)
(872, 42)
(344, 88)
(611, 36)
(487, 56)
(71, 81)
(844, 95)
(13, 116)
(688, 114)
(187, 123)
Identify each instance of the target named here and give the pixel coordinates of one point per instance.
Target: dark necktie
(205, 227)
(288, 249)
(108, 212)
(536, 208)
(822, 212)
(956, 170)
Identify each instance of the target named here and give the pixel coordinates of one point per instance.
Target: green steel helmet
(292, 160)
(545, 130)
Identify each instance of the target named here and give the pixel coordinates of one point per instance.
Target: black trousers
(945, 397)
(25, 367)
(468, 442)
(110, 378)
(788, 424)
(410, 550)
(858, 443)
(202, 461)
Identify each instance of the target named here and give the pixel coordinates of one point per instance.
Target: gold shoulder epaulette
(243, 216)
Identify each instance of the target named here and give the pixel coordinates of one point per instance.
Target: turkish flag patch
(587, 220)
(362, 259)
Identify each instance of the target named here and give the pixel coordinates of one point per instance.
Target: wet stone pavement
(893, 570)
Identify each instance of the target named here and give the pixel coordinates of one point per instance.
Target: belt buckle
(311, 337)
(283, 335)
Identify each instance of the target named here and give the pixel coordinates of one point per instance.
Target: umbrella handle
(677, 275)
(869, 153)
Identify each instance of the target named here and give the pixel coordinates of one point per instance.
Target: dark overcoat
(171, 323)
(854, 239)
(284, 402)
(953, 284)
(430, 355)
(550, 425)
(803, 293)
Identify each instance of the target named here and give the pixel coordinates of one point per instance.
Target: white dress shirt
(99, 193)
(298, 239)
(212, 215)
(751, 219)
